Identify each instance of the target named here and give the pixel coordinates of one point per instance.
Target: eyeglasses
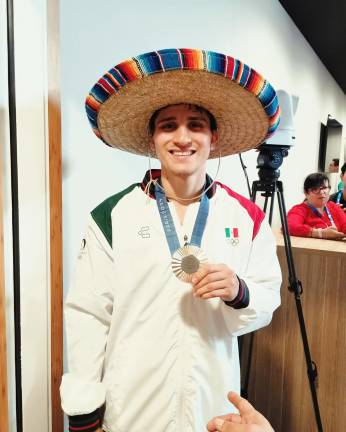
(318, 190)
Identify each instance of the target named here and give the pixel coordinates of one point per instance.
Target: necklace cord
(156, 182)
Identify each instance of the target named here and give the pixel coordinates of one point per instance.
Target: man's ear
(214, 139)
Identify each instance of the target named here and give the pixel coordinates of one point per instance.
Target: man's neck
(184, 187)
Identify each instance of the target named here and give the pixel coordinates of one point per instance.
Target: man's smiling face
(183, 139)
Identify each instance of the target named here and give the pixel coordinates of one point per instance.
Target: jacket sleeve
(88, 310)
(263, 280)
(296, 219)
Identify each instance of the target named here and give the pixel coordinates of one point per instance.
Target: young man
(340, 196)
(334, 166)
(174, 268)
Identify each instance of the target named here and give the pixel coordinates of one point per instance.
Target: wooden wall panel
(55, 191)
(279, 385)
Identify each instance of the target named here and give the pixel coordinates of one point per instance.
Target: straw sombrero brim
(122, 102)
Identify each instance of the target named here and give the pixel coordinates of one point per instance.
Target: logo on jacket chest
(232, 235)
(144, 232)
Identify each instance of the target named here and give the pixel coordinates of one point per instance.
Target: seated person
(315, 216)
(340, 196)
(334, 166)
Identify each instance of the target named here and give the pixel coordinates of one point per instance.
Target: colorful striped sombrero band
(244, 104)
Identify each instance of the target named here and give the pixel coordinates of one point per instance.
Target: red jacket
(301, 219)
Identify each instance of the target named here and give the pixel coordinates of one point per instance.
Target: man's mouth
(182, 153)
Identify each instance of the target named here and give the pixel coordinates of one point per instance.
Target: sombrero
(244, 104)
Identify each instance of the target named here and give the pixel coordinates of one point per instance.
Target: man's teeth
(180, 153)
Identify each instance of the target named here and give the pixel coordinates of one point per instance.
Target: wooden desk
(279, 385)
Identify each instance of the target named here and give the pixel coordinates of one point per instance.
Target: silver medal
(186, 261)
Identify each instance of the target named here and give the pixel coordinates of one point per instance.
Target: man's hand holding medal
(215, 280)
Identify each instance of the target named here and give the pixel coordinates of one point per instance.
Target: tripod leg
(244, 389)
(296, 287)
(271, 208)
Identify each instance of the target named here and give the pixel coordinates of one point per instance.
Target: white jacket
(137, 339)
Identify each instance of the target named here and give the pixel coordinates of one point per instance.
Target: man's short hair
(315, 180)
(212, 120)
(343, 169)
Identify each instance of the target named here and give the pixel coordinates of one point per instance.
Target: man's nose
(182, 136)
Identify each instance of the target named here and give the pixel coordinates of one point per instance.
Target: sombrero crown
(244, 104)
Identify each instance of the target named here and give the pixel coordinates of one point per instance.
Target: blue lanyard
(326, 209)
(168, 224)
(317, 213)
(338, 198)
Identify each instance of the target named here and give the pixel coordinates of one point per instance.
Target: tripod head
(269, 160)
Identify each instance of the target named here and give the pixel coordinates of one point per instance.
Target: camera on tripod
(272, 152)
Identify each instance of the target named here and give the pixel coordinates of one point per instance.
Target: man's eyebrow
(159, 120)
(198, 117)
(192, 117)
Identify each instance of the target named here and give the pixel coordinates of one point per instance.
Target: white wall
(30, 64)
(98, 35)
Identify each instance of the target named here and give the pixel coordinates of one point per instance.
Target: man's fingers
(219, 424)
(208, 279)
(197, 277)
(209, 287)
(227, 426)
(205, 270)
(216, 424)
(222, 293)
(212, 273)
(240, 403)
(229, 417)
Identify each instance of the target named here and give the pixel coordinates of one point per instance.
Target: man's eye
(167, 126)
(196, 125)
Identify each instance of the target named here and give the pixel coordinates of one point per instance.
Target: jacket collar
(156, 175)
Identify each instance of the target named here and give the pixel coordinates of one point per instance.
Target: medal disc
(186, 261)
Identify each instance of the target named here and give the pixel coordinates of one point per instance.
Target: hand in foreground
(215, 280)
(248, 419)
(331, 233)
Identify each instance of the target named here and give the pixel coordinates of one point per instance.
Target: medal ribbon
(168, 224)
